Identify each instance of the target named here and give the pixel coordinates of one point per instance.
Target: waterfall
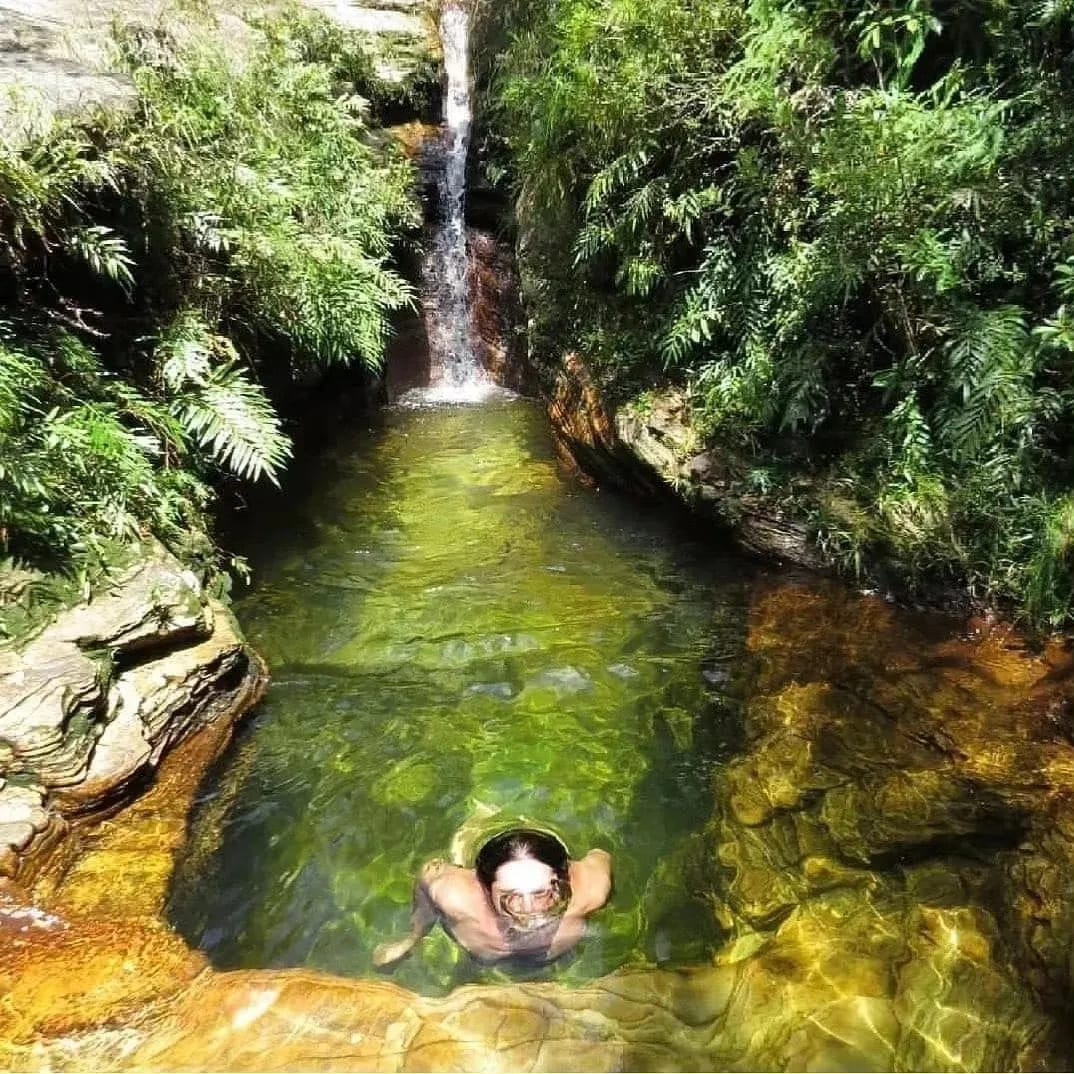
(456, 375)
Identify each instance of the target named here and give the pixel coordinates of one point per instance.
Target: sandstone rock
(57, 57)
(649, 446)
(96, 698)
(156, 602)
(911, 810)
(926, 785)
(155, 704)
(883, 915)
(496, 310)
(16, 834)
(49, 694)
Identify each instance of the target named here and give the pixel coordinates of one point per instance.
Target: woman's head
(527, 876)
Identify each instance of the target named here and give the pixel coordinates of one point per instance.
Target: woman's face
(527, 893)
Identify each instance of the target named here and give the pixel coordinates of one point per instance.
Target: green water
(457, 631)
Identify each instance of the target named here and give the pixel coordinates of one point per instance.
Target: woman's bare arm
(591, 886)
(423, 916)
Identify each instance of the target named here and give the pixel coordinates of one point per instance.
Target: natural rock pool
(460, 636)
(843, 832)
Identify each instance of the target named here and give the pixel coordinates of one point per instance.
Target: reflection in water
(459, 639)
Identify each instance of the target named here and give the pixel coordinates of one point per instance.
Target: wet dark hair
(521, 843)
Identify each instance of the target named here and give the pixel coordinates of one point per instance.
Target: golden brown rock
(90, 705)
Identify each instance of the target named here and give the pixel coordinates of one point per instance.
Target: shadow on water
(460, 637)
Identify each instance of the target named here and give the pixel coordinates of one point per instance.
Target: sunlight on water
(460, 638)
(467, 394)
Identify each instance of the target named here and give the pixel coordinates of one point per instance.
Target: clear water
(461, 637)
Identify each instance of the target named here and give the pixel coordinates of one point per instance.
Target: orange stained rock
(576, 409)
(74, 975)
(414, 136)
(125, 863)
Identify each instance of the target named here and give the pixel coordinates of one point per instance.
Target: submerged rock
(567, 680)
(919, 782)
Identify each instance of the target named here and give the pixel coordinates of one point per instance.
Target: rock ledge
(90, 705)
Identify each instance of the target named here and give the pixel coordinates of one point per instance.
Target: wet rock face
(586, 437)
(497, 313)
(650, 448)
(89, 705)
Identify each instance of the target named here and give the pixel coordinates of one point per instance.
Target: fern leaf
(232, 418)
(103, 251)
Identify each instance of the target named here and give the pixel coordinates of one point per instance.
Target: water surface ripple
(460, 636)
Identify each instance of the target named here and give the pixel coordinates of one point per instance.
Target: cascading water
(456, 375)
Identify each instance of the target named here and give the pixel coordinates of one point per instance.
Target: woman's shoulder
(450, 886)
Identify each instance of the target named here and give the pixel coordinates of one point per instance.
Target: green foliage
(215, 403)
(267, 191)
(238, 230)
(844, 228)
(82, 456)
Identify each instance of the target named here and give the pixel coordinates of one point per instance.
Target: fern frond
(185, 351)
(622, 172)
(233, 419)
(639, 276)
(19, 373)
(989, 377)
(102, 250)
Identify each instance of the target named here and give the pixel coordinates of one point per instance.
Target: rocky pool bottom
(891, 856)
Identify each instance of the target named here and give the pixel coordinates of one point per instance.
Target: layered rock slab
(90, 704)
(827, 993)
(58, 57)
(650, 446)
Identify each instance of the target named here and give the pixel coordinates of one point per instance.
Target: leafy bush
(845, 228)
(152, 273)
(263, 189)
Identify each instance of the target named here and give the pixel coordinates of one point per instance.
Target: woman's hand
(387, 954)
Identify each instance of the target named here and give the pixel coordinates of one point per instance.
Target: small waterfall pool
(463, 639)
(460, 636)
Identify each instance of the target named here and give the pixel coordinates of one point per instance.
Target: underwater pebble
(567, 678)
(490, 689)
